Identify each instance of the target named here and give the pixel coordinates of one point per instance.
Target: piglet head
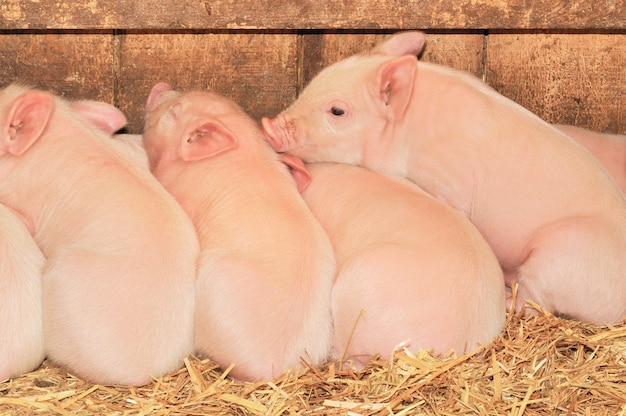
(25, 119)
(184, 127)
(327, 119)
(349, 106)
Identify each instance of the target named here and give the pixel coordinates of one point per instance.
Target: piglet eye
(336, 111)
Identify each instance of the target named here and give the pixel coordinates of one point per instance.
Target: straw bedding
(541, 365)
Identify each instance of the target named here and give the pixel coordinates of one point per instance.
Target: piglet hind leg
(576, 269)
(235, 300)
(385, 296)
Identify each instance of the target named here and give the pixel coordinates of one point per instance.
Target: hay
(541, 365)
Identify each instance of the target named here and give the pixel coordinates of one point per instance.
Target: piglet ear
(105, 117)
(206, 140)
(26, 121)
(156, 91)
(404, 43)
(393, 85)
(297, 169)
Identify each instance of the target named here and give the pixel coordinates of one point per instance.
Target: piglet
(554, 217)
(119, 277)
(21, 327)
(409, 267)
(266, 265)
(609, 149)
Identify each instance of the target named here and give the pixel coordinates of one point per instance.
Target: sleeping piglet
(409, 267)
(21, 327)
(119, 277)
(554, 217)
(266, 265)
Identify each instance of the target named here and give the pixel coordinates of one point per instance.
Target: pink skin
(21, 328)
(133, 147)
(118, 282)
(109, 119)
(609, 149)
(413, 267)
(553, 216)
(266, 267)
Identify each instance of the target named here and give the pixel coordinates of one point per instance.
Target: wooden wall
(564, 60)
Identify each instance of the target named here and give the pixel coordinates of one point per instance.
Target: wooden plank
(464, 51)
(75, 66)
(319, 51)
(564, 78)
(256, 70)
(313, 14)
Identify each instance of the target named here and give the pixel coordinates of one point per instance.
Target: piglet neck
(462, 105)
(215, 183)
(438, 103)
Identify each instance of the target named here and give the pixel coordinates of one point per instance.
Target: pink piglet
(410, 268)
(266, 265)
(119, 276)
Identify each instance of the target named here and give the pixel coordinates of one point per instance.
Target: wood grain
(256, 70)
(313, 14)
(71, 65)
(565, 78)
(463, 51)
(319, 51)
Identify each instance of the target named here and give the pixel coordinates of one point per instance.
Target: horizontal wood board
(313, 14)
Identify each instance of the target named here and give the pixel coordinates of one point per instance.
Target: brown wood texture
(71, 65)
(313, 14)
(565, 78)
(457, 50)
(256, 70)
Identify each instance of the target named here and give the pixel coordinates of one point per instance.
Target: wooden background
(564, 60)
